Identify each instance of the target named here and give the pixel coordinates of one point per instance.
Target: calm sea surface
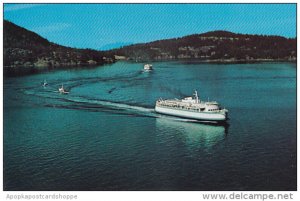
(104, 135)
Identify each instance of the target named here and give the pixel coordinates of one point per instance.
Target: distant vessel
(148, 67)
(45, 83)
(192, 108)
(62, 90)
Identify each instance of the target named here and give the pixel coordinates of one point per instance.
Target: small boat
(148, 67)
(192, 108)
(45, 83)
(62, 90)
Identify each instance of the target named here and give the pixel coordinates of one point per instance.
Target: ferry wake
(192, 108)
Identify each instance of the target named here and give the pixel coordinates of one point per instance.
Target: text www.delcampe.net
(247, 196)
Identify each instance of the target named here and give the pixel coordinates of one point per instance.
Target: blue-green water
(104, 135)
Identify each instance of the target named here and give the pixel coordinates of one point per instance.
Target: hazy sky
(107, 25)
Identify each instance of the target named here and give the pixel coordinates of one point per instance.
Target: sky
(105, 26)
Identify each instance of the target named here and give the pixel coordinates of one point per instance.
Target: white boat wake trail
(113, 105)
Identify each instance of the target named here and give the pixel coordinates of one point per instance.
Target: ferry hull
(203, 116)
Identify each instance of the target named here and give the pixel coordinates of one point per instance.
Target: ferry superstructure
(192, 108)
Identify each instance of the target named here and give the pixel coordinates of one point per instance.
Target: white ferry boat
(148, 67)
(192, 108)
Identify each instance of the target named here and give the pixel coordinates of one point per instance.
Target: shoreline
(10, 71)
(15, 71)
(220, 61)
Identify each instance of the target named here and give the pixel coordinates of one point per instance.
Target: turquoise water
(104, 135)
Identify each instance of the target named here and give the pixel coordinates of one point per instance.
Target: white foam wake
(111, 104)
